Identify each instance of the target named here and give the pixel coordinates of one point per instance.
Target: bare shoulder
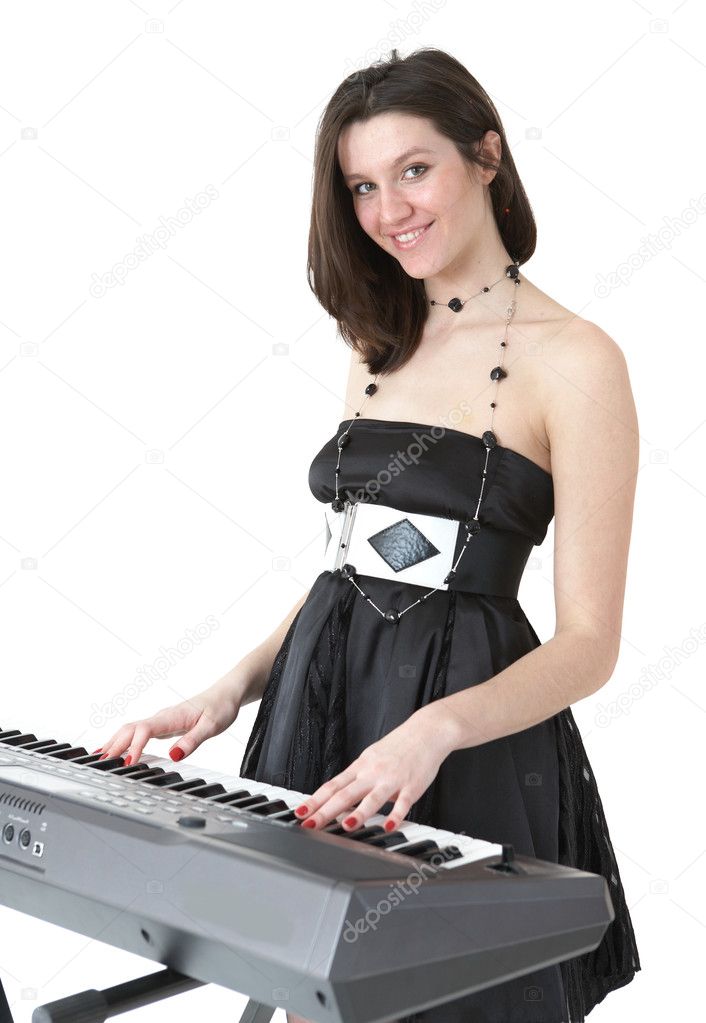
(582, 363)
(587, 400)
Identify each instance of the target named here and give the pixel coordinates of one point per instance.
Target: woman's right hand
(196, 719)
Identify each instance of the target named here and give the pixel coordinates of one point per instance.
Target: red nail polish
(349, 822)
(311, 823)
(128, 760)
(389, 826)
(301, 811)
(97, 750)
(177, 753)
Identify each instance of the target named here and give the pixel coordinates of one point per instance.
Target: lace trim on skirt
(584, 843)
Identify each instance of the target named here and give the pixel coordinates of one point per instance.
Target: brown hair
(380, 309)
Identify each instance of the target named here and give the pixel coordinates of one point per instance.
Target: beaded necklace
(472, 525)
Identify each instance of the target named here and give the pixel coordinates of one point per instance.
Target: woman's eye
(415, 166)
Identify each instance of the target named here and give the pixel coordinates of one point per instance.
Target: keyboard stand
(96, 1006)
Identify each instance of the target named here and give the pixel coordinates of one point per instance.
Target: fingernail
(349, 822)
(389, 826)
(97, 750)
(128, 760)
(311, 823)
(177, 753)
(301, 811)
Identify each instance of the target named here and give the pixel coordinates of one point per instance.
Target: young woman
(397, 686)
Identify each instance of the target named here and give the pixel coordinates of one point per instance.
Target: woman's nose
(394, 210)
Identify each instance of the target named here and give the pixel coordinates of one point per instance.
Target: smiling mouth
(411, 243)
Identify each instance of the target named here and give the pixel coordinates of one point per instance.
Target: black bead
(347, 571)
(456, 305)
(503, 344)
(338, 505)
(497, 373)
(450, 576)
(343, 440)
(486, 288)
(512, 271)
(489, 439)
(473, 526)
(392, 615)
(371, 388)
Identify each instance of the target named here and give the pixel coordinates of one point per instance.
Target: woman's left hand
(401, 766)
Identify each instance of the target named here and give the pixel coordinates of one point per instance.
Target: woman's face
(431, 188)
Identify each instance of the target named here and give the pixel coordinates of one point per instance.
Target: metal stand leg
(5, 1014)
(96, 1006)
(256, 1012)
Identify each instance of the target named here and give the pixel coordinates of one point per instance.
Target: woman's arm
(592, 427)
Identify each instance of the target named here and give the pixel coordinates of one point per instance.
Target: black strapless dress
(344, 677)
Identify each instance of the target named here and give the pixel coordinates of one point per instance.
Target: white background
(153, 433)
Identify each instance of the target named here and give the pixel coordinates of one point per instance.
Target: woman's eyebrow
(400, 159)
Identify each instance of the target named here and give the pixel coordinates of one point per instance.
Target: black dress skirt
(344, 677)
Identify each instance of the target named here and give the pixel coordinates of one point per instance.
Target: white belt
(385, 542)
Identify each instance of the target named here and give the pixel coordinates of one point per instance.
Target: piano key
(242, 794)
(19, 739)
(268, 807)
(235, 794)
(55, 746)
(163, 779)
(412, 848)
(203, 791)
(107, 765)
(184, 786)
(39, 745)
(70, 753)
(137, 772)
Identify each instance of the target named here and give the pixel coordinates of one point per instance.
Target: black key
(203, 791)
(7, 735)
(69, 754)
(389, 838)
(108, 765)
(164, 779)
(39, 744)
(184, 786)
(88, 760)
(17, 740)
(438, 858)
(363, 834)
(136, 772)
(232, 795)
(334, 827)
(285, 815)
(271, 806)
(55, 747)
(250, 801)
(414, 848)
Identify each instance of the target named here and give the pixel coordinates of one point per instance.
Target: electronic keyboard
(214, 877)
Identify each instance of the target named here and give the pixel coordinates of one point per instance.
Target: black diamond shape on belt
(402, 545)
